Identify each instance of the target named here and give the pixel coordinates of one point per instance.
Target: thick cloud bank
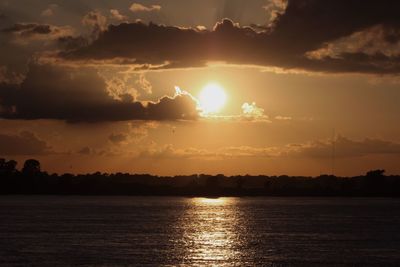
(50, 92)
(294, 41)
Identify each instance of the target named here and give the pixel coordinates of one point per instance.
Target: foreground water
(147, 231)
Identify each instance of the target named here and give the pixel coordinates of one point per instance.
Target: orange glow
(211, 201)
(212, 98)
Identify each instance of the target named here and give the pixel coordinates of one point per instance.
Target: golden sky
(213, 86)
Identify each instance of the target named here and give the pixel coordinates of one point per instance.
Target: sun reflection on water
(211, 201)
(211, 231)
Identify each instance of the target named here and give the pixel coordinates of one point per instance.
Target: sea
(179, 231)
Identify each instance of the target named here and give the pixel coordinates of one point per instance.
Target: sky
(171, 87)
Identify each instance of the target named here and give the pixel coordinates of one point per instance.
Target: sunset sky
(174, 87)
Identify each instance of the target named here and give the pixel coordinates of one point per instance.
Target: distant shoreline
(31, 180)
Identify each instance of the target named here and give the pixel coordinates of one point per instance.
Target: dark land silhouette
(30, 179)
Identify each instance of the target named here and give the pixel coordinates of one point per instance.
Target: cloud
(144, 84)
(135, 133)
(49, 11)
(345, 148)
(96, 21)
(81, 95)
(28, 29)
(251, 110)
(26, 143)
(86, 151)
(72, 42)
(23, 32)
(169, 151)
(300, 29)
(89, 151)
(371, 41)
(119, 88)
(118, 138)
(136, 7)
(115, 14)
(283, 118)
(275, 8)
(251, 113)
(167, 46)
(314, 22)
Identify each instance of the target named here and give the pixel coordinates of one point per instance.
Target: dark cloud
(310, 23)
(72, 42)
(376, 40)
(305, 26)
(50, 92)
(26, 143)
(158, 44)
(30, 28)
(38, 31)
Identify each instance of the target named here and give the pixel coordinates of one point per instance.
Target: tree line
(30, 179)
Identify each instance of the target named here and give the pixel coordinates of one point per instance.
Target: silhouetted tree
(375, 173)
(9, 166)
(31, 167)
(239, 183)
(212, 185)
(375, 181)
(33, 181)
(267, 185)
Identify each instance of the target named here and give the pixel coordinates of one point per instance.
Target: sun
(212, 98)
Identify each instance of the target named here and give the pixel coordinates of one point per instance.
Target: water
(157, 231)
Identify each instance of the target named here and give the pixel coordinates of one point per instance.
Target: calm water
(136, 231)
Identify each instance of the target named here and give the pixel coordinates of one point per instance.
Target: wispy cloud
(24, 33)
(50, 11)
(136, 7)
(320, 149)
(25, 143)
(115, 14)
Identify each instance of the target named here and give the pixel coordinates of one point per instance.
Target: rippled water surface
(160, 231)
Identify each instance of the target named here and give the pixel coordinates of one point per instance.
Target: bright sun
(212, 98)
